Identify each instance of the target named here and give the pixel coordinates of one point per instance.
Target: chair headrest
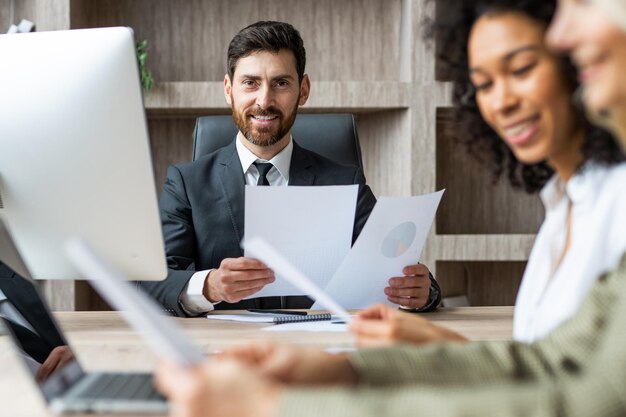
(331, 135)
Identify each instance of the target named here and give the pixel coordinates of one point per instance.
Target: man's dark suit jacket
(25, 298)
(202, 214)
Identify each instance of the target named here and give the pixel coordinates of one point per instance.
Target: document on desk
(244, 317)
(311, 326)
(310, 226)
(392, 238)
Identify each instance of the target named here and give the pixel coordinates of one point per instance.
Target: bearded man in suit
(202, 203)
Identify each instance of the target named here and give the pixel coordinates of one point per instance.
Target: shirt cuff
(192, 299)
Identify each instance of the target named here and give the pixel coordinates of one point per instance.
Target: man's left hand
(412, 290)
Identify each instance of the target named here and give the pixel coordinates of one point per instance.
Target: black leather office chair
(331, 135)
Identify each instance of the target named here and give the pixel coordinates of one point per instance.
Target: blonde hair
(614, 121)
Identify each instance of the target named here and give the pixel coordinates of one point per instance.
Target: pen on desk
(290, 313)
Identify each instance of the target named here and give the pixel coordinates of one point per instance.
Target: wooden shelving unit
(363, 56)
(191, 98)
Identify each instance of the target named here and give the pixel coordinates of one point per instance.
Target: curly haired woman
(516, 113)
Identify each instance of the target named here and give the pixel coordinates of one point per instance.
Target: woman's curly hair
(451, 29)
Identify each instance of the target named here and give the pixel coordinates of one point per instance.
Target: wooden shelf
(181, 98)
(482, 247)
(196, 98)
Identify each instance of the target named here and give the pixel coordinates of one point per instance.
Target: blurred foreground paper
(392, 238)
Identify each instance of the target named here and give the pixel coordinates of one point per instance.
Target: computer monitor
(75, 155)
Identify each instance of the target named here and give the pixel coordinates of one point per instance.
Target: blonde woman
(593, 33)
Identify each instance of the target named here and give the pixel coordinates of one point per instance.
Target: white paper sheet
(244, 317)
(310, 226)
(392, 238)
(261, 249)
(254, 317)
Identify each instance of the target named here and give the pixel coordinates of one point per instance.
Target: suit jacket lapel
(233, 183)
(301, 171)
(26, 300)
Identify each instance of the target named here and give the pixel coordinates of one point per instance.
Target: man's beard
(264, 136)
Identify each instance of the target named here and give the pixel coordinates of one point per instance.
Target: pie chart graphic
(399, 240)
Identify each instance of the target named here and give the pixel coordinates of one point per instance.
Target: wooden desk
(103, 341)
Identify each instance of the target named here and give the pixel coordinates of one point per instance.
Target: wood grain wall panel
(473, 204)
(5, 15)
(423, 52)
(484, 283)
(47, 15)
(442, 70)
(345, 40)
(494, 283)
(23, 9)
(60, 295)
(52, 15)
(88, 299)
(386, 151)
(423, 115)
(170, 143)
(406, 41)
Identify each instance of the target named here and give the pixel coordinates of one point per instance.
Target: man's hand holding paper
(296, 221)
(411, 290)
(236, 279)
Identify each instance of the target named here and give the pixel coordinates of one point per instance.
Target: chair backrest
(331, 135)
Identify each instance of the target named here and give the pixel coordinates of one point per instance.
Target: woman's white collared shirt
(551, 292)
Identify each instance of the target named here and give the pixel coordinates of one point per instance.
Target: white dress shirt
(552, 291)
(192, 298)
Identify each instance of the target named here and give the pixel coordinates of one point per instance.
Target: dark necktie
(263, 168)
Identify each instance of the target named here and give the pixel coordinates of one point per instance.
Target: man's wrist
(207, 291)
(192, 300)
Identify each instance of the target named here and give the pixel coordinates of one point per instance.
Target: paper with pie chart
(393, 237)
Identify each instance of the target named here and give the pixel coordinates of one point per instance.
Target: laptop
(69, 388)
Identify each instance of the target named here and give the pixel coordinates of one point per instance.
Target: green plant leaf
(147, 81)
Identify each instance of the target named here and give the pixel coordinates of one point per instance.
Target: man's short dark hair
(266, 36)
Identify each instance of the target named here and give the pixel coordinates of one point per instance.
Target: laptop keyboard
(117, 387)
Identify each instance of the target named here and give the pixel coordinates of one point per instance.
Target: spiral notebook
(270, 318)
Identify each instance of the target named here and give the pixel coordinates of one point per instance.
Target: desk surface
(103, 341)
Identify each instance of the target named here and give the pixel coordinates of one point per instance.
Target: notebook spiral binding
(297, 319)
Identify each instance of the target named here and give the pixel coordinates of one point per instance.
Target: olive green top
(579, 370)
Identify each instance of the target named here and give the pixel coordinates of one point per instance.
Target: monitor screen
(74, 154)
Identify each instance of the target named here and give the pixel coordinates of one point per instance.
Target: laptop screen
(37, 337)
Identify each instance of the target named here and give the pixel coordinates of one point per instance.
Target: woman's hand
(381, 325)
